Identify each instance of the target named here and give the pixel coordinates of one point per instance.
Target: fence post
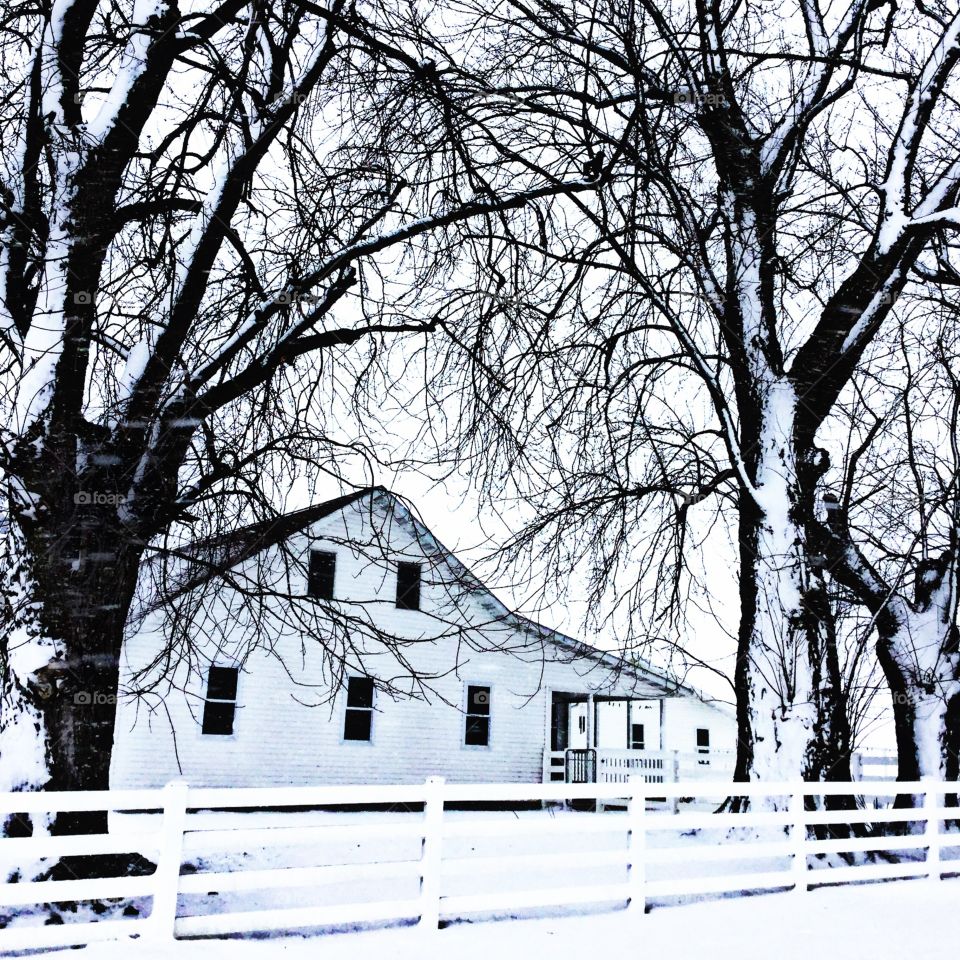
(167, 876)
(798, 836)
(856, 766)
(931, 798)
(432, 854)
(637, 813)
(675, 767)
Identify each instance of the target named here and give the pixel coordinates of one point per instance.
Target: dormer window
(408, 586)
(323, 568)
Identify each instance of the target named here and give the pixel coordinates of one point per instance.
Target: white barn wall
(683, 715)
(278, 740)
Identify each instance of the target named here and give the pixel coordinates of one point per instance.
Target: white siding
(684, 715)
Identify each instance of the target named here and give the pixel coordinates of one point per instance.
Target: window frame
(236, 703)
(333, 579)
(703, 752)
(467, 714)
(372, 709)
(419, 568)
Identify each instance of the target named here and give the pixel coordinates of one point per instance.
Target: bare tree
(212, 223)
(769, 185)
(892, 535)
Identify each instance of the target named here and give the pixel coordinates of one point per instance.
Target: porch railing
(655, 766)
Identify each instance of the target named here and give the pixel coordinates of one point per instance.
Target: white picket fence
(779, 832)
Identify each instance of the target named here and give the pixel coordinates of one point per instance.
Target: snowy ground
(917, 920)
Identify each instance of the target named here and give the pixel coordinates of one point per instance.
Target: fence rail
(796, 814)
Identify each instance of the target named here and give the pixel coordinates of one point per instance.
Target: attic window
(323, 568)
(221, 701)
(408, 586)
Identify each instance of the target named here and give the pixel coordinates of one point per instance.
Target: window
(477, 731)
(221, 701)
(408, 586)
(358, 718)
(636, 736)
(323, 566)
(703, 743)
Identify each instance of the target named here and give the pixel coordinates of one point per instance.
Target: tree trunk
(66, 613)
(791, 715)
(917, 650)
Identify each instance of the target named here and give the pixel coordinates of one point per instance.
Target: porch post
(591, 725)
(548, 719)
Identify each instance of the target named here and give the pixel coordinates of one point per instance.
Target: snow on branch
(913, 123)
(811, 99)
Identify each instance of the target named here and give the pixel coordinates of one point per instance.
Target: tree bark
(917, 651)
(68, 597)
(791, 714)
(918, 648)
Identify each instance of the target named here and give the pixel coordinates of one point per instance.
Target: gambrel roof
(205, 559)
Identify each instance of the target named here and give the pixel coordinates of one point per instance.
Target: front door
(577, 737)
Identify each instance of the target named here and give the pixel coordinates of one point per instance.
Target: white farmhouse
(344, 644)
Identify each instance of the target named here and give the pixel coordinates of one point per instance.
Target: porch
(597, 738)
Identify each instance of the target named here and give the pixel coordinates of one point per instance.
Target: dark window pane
(478, 732)
(360, 692)
(636, 736)
(323, 567)
(356, 724)
(218, 718)
(478, 700)
(408, 586)
(703, 737)
(222, 683)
